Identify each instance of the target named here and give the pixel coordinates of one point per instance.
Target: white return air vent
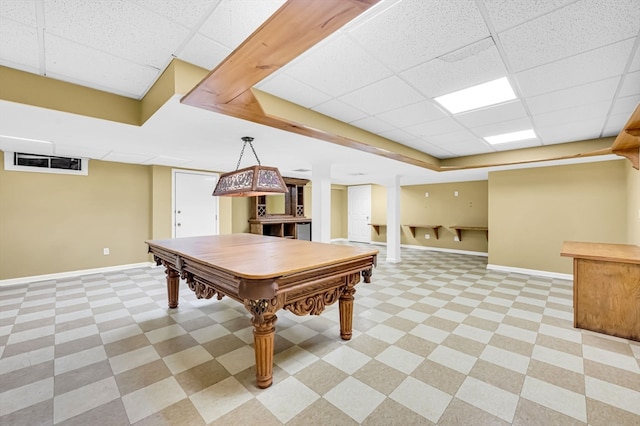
(23, 162)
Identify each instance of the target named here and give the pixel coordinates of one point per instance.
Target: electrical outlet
(455, 193)
(426, 194)
(105, 251)
(456, 238)
(427, 236)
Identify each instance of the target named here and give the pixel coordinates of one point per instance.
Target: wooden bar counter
(606, 287)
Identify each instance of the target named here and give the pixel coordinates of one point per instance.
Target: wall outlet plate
(105, 251)
(456, 238)
(427, 236)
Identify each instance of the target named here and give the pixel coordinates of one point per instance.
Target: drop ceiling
(574, 66)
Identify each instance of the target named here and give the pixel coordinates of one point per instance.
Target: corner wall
(51, 223)
(533, 211)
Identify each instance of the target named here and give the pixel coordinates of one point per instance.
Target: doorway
(359, 213)
(195, 210)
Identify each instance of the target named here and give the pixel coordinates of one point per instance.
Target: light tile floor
(438, 339)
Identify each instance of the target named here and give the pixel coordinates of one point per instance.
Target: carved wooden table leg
(173, 280)
(346, 306)
(264, 328)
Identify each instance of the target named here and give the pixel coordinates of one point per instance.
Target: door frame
(173, 198)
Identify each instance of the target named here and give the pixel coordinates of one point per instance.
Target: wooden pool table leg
(173, 280)
(346, 306)
(264, 328)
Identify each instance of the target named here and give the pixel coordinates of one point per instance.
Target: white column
(393, 221)
(321, 203)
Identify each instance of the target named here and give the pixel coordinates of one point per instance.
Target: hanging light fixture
(250, 181)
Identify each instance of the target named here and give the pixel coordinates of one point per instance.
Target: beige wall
(633, 205)
(339, 211)
(532, 211)
(442, 207)
(53, 223)
(160, 202)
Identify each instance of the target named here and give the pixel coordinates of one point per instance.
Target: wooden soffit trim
(627, 144)
(290, 31)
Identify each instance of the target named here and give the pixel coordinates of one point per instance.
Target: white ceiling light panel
(483, 95)
(511, 137)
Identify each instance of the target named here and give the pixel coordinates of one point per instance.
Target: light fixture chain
(241, 154)
(254, 152)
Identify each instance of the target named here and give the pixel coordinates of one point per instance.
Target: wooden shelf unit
(434, 228)
(459, 228)
(280, 225)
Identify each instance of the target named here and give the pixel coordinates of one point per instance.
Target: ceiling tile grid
(19, 46)
(574, 64)
(573, 29)
(120, 27)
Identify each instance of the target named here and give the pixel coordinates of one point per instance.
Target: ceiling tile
(469, 148)
(127, 157)
(503, 127)
(573, 29)
(78, 64)
(23, 11)
(414, 31)
(162, 160)
(473, 64)
(635, 64)
(585, 68)
(318, 67)
(340, 111)
(119, 23)
(372, 124)
(397, 135)
(435, 127)
(578, 113)
(457, 137)
(494, 114)
(508, 13)
(185, 12)
(428, 148)
(19, 46)
(292, 90)
(625, 105)
(614, 124)
(203, 52)
(413, 114)
(83, 151)
(570, 132)
(385, 95)
(232, 21)
(631, 84)
(574, 96)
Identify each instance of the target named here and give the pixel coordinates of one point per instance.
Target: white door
(195, 210)
(359, 213)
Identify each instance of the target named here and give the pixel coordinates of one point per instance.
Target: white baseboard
(446, 250)
(70, 274)
(524, 271)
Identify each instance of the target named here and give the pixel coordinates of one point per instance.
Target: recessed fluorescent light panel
(511, 137)
(482, 95)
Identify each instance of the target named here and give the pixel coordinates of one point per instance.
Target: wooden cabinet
(282, 215)
(606, 287)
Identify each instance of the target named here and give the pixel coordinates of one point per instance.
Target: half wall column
(321, 202)
(393, 221)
